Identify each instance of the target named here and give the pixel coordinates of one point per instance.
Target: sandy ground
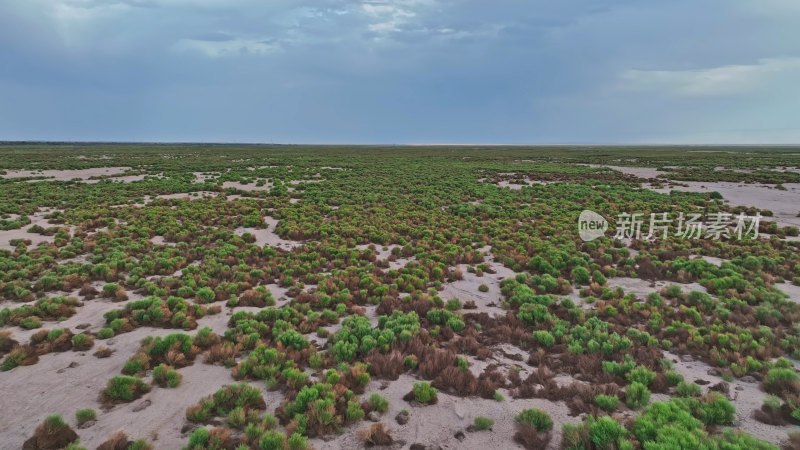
(267, 236)
(792, 290)
(22, 233)
(466, 289)
(640, 172)
(435, 425)
(515, 186)
(642, 288)
(785, 205)
(246, 187)
(69, 174)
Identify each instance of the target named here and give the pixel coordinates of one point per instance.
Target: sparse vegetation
(366, 286)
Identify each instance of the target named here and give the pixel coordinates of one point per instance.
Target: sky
(401, 71)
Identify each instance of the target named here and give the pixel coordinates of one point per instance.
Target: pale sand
(436, 425)
(642, 287)
(792, 290)
(516, 186)
(785, 205)
(69, 174)
(246, 187)
(639, 172)
(22, 233)
(466, 289)
(267, 236)
(380, 252)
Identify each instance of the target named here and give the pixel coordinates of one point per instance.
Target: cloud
(724, 80)
(229, 47)
(399, 70)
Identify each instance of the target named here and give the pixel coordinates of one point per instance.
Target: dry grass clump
(21, 355)
(103, 352)
(224, 353)
(52, 434)
(7, 343)
(386, 365)
(376, 434)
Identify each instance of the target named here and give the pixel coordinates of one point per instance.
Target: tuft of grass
(536, 418)
(424, 392)
(85, 415)
(378, 402)
(483, 423)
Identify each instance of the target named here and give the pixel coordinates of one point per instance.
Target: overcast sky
(401, 71)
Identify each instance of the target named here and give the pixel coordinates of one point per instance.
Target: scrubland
(289, 297)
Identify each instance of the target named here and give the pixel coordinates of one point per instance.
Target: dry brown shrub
(103, 352)
(434, 361)
(530, 438)
(48, 437)
(119, 441)
(456, 381)
(388, 366)
(377, 434)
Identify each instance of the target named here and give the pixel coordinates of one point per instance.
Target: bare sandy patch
(381, 252)
(784, 205)
(466, 289)
(22, 233)
(436, 425)
(639, 172)
(246, 187)
(68, 174)
(792, 290)
(188, 195)
(643, 288)
(267, 236)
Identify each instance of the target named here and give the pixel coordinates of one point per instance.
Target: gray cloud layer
(402, 71)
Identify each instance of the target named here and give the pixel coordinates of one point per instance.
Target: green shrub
(483, 288)
(85, 415)
(453, 304)
(544, 338)
(637, 395)
(780, 375)
(424, 392)
(689, 389)
(199, 438)
(205, 295)
(167, 376)
(81, 340)
(673, 377)
(378, 402)
(125, 388)
(133, 367)
(580, 275)
(354, 411)
(483, 423)
(237, 418)
(271, 440)
(54, 422)
(29, 323)
(605, 432)
(641, 375)
(296, 442)
(105, 333)
(536, 418)
(607, 402)
(716, 409)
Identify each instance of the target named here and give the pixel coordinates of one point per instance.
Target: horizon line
(384, 144)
